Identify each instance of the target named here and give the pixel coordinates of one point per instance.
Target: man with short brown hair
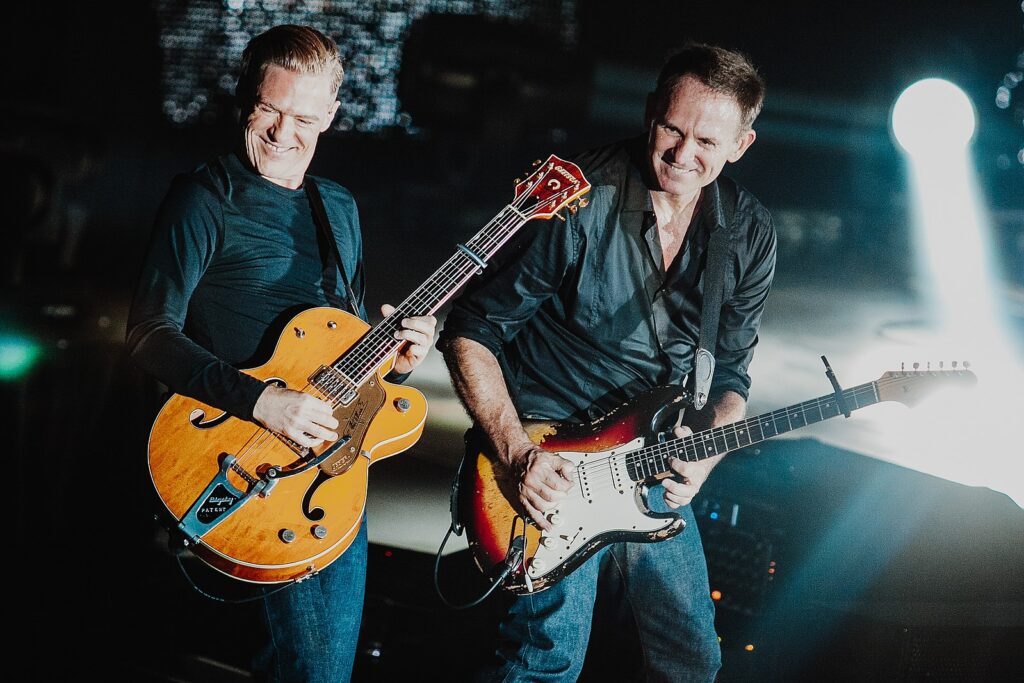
(591, 312)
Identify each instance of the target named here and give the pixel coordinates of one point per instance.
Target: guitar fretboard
(341, 379)
(652, 461)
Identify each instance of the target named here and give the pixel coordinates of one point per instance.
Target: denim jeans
(312, 628)
(544, 636)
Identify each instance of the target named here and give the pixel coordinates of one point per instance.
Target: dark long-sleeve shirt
(582, 315)
(233, 257)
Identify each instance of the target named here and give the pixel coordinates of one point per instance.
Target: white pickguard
(604, 500)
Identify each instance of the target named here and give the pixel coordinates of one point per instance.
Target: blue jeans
(313, 626)
(544, 636)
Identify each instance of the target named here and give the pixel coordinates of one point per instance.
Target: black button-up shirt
(582, 315)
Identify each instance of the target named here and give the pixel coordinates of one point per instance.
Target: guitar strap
(714, 293)
(333, 266)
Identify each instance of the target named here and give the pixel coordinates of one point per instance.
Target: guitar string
(264, 437)
(361, 361)
(599, 471)
(490, 238)
(371, 352)
(688, 447)
(374, 350)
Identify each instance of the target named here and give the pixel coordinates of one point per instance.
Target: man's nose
(282, 128)
(684, 150)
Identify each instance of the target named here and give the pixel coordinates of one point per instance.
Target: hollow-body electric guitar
(259, 507)
(617, 458)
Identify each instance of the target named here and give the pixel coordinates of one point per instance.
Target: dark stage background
(838, 564)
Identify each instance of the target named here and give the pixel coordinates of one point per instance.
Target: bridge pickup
(334, 384)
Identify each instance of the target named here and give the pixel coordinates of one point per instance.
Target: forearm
(478, 380)
(186, 368)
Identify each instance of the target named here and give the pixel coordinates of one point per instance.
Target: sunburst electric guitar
(260, 507)
(617, 458)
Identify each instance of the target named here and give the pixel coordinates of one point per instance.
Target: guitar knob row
(288, 536)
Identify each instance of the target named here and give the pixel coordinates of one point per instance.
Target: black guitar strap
(714, 294)
(329, 252)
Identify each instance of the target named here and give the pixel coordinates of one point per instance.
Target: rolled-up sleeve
(529, 271)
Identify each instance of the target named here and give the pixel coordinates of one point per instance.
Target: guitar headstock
(911, 386)
(554, 185)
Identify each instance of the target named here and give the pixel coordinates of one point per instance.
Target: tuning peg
(559, 216)
(917, 365)
(941, 364)
(967, 364)
(517, 181)
(955, 364)
(536, 162)
(583, 202)
(573, 209)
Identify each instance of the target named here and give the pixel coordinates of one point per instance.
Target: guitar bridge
(218, 501)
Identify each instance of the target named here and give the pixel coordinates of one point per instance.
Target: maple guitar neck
(652, 461)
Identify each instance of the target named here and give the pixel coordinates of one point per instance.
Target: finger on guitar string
(544, 480)
(418, 334)
(536, 515)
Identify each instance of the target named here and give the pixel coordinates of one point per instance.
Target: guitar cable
(179, 550)
(513, 559)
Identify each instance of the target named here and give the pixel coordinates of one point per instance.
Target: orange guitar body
(312, 512)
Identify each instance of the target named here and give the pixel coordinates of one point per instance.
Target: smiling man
(235, 254)
(588, 313)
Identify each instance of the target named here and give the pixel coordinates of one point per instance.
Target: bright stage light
(972, 442)
(933, 115)
(17, 356)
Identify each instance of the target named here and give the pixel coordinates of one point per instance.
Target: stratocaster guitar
(617, 458)
(259, 507)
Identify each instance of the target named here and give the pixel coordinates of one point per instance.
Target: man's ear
(331, 113)
(746, 140)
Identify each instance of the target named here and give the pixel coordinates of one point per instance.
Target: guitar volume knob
(548, 542)
(320, 531)
(286, 535)
(538, 565)
(556, 519)
(402, 404)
